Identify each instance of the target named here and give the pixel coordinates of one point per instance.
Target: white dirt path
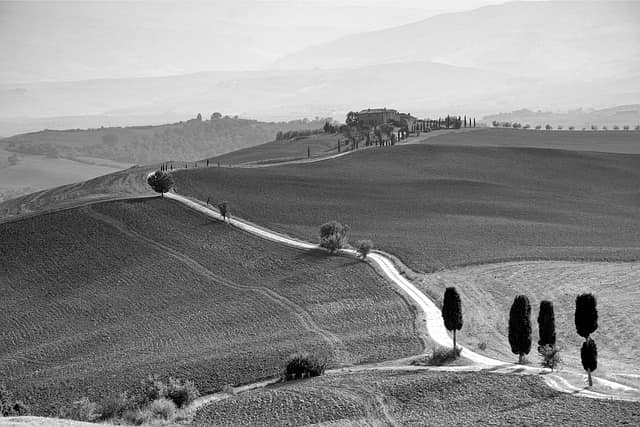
(434, 323)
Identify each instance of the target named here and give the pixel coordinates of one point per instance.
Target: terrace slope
(101, 296)
(437, 206)
(415, 398)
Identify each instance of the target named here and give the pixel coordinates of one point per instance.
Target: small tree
(520, 327)
(548, 127)
(594, 127)
(223, 207)
(160, 181)
(586, 316)
(364, 247)
(572, 128)
(538, 127)
(333, 235)
(625, 127)
(589, 356)
(452, 313)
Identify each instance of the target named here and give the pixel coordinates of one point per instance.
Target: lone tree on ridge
(589, 357)
(160, 181)
(333, 236)
(452, 313)
(520, 327)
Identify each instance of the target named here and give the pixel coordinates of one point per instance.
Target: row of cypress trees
(586, 322)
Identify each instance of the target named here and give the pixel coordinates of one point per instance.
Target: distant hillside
(628, 115)
(189, 140)
(559, 39)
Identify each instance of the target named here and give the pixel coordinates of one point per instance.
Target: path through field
(434, 324)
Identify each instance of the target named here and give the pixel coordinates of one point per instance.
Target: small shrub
(334, 236)
(9, 406)
(163, 409)
(304, 365)
(364, 247)
(152, 388)
(81, 410)
(135, 417)
(482, 345)
(182, 393)
(442, 355)
(550, 356)
(115, 405)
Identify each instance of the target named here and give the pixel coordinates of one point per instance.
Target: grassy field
(602, 141)
(487, 292)
(416, 398)
(438, 206)
(290, 149)
(97, 298)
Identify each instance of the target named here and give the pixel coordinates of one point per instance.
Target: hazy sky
(59, 41)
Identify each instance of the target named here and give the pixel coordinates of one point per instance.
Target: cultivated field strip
(102, 296)
(304, 318)
(388, 398)
(488, 290)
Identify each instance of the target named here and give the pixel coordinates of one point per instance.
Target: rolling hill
(437, 206)
(101, 296)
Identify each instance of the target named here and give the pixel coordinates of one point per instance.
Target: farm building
(378, 116)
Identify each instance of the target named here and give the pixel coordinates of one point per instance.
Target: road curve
(434, 323)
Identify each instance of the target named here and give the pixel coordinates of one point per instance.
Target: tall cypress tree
(520, 327)
(586, 316)
(546, 325)
(452, 313)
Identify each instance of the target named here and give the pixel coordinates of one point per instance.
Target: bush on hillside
(364, 247)
(548, 127)
(160, 181)
(180, 392)
(9, 406)
(442, 356)
(115, 405)
(334, 236)
(163, 409)
(304, 365)
(81, 410)
(550, 356)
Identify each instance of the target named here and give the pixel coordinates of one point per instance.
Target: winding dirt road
(434, 323)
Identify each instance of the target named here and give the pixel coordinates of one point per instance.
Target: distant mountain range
(628, 115)
(552, 56)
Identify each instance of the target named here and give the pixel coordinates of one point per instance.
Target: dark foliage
(223, 207)
(520, 326)
(364, 247)
(586, 316)
(546, 324)
(304, 365)
(291, 134)
(334, 236)
(9, 406)
(452, 311)
(160, 181)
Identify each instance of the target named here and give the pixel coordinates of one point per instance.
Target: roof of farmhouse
(378, 110)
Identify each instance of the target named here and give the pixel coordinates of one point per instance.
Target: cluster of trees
(335, 236)
(298, 133)
(516, 125)
(586, 322)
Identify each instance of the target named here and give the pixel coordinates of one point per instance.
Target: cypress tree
(452, 313)
(520, 327)
(546, 324)
(589, 356)
(586, 316)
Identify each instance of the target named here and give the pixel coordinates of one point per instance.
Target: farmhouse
(381, 116)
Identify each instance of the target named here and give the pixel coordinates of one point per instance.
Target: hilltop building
(378, 116)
